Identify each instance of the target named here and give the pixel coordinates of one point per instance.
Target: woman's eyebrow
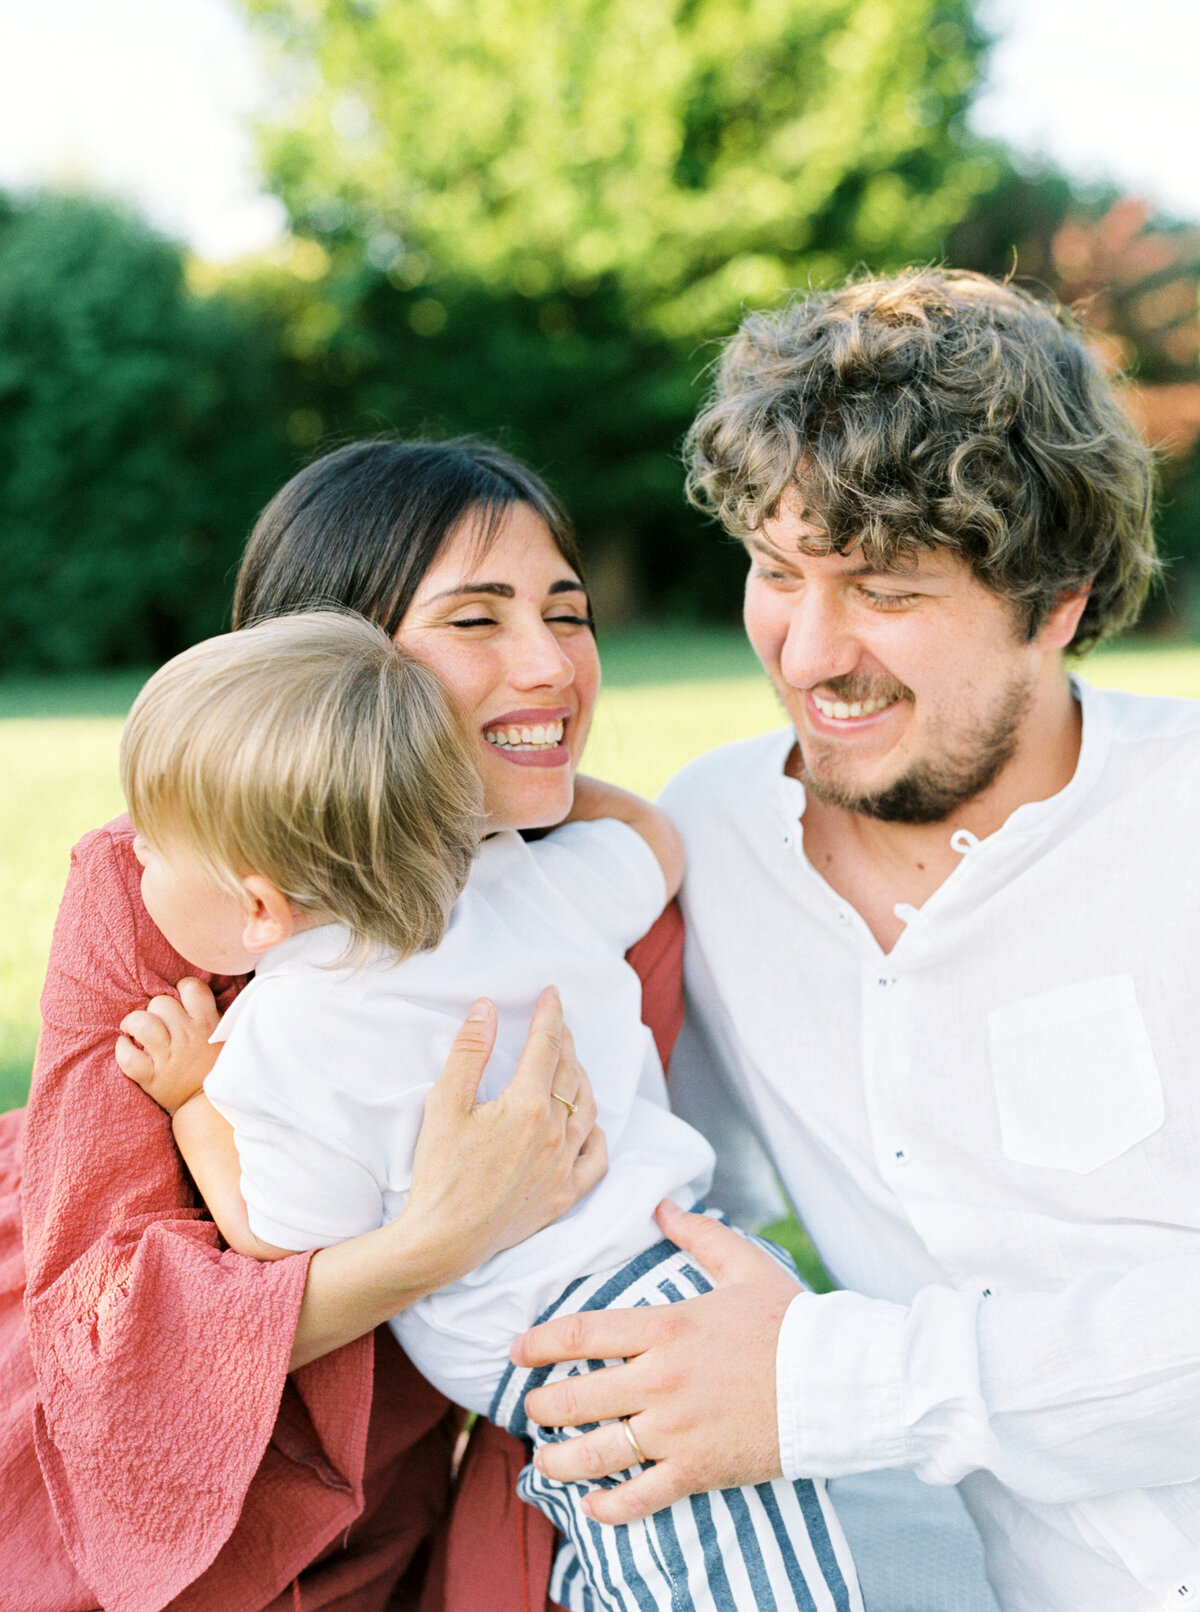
(504, 590)
(498, 590)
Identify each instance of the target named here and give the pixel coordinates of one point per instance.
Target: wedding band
(633, 1443)
(565, 1101)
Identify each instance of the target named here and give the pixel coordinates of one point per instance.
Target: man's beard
(933, 787)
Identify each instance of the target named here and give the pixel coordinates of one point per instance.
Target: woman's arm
(594, 798)
(485, 1175)
(160, 1358)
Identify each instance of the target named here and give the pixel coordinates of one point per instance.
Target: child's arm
(205, 1138)
(165, 1050)
(594, 798)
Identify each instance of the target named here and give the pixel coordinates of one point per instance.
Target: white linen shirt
(326, 1067)
(992, 1134)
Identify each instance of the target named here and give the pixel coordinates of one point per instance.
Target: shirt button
(843, 915)
(1185, 1592)
(885, 982)
(901, 1156)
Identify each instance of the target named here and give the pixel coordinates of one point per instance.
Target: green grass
(669, 694)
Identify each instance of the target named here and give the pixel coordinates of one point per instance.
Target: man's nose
(820, 643)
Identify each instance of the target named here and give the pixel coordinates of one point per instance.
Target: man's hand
(165, 1048)
(698, 1380)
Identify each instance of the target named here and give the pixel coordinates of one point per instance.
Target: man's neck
(876, 865)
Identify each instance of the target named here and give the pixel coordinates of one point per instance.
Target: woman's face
(508, 633)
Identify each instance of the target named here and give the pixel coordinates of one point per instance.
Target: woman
(183, 1463)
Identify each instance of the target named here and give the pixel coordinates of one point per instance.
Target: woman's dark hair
(361, 526)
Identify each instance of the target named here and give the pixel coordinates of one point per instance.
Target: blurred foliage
(1134, 277)
(688, 155)
(135, 439)
(529, 218)
(535, 221)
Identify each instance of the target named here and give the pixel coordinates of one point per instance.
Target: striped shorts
(770, 1548)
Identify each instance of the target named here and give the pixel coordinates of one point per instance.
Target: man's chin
(924, 794)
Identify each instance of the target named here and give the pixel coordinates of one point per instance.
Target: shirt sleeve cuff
(839, 1393)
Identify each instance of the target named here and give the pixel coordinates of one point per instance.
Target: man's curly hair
(937, 409)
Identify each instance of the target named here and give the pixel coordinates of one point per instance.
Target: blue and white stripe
(775, 1547)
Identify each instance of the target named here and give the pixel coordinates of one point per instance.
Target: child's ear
(269, 917)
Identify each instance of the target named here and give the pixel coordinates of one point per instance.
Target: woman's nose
(819, 644)
(539, 660)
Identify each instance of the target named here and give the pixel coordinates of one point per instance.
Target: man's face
(908, 689)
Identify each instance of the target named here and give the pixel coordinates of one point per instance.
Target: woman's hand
(488, 1175)
(485, 1176)
(165, 1048)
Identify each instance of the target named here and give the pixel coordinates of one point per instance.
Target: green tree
(531, 218)
(696, 154)
(136, 439)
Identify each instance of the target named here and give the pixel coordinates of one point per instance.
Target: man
(942, 943)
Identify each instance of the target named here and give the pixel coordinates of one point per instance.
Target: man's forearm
(1063, 1395)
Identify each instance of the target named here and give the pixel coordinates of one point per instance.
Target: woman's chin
(529, 797)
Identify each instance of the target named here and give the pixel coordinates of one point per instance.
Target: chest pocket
(1075, 1076)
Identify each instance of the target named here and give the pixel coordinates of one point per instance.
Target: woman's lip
(560, 756)
(526, 718)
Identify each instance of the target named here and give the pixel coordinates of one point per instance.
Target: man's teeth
(840, 711)
(538, 736)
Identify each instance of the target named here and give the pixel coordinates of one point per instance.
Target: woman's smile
(507, 628)
(533, 737)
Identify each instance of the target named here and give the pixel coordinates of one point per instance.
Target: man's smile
(841, 711)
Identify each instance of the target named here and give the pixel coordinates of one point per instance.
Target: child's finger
(199, 1003)
(147, 1028)
(133, 1062)
(171, 1011)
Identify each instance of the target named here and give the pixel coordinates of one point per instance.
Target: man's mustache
(858, 687)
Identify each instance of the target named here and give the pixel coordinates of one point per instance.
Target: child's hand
(164, 1048)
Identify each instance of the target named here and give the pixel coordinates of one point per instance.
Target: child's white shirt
(326, 1066)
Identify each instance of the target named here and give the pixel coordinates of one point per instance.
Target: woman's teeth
(539, 736)
(839, 711)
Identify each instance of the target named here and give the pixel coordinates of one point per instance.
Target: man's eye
(574, 621)
(472, 621)
(890, 601)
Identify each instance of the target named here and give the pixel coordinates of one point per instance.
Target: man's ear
(1058, 629)
(269, 916)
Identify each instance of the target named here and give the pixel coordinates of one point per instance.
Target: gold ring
(633, 1443)
(565, 1101)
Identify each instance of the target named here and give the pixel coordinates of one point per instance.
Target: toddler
(307, 805)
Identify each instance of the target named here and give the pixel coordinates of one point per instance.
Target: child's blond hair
(310, 750)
